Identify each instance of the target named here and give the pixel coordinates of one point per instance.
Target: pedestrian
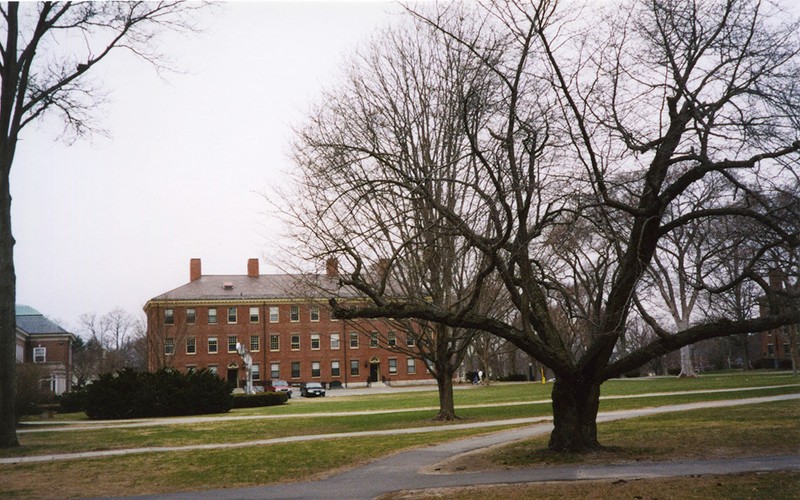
(480, 375)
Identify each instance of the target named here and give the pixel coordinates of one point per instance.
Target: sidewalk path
(411, 470)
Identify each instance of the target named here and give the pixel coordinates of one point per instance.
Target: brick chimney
(332, 267)
(252, 268)
(195, 269)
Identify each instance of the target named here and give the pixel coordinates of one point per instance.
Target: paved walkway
(416, 469)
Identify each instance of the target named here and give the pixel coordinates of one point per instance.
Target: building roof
(239, 287)
(32, 322)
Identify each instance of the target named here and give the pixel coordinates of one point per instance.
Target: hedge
(165, 393)
(261, 399)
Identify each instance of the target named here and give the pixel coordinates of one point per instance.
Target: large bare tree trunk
(575, 405)
(687, 365)
(8, 328)
(447, 409)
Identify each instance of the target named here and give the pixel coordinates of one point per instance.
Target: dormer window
(228, 285)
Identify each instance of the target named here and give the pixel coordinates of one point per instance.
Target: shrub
(514, 377)
(73, 401)
(261, 399)
(131, 394)
(30, 394)
(633, 374)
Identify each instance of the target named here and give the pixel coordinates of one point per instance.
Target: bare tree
(602, 126)
(47, 52)
(403, 93)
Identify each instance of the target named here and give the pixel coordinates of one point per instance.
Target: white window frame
(335, 342)
(191, 341)
(255, 315)
(315, 340)
(411, 366)
(316, 366)
(294, 314)
(213, 341)
(255, 343)
(40, 354)
(274, 314)
(392, 366)
(313, 314)
(234, 316)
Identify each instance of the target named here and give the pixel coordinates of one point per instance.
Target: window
(295, 369)
(213, 346)
(409, 340)
(353, 340)
(256, 371)
(373, 339)
(315, 341)
(40, 354)
(255, 343)
(294, 313)
(169, 346)
(354, 367)
(232, 315)
(315, 370)
(273, 314)
(336, 371)
(391, 339)
(232, 341)
(786, 350)
(392, 366)
(169, 316)
(411, 366)
(191, 345)
(295, 342)
(191, 316)
(771, 350)
(334, 341)
(213, 369)
(212, 315)
(274, 343)
(254, 315)
(314, 313)
(275, 370)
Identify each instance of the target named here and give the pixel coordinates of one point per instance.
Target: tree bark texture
(575, 405)
(447, 409)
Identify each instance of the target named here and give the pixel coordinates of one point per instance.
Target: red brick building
(778, 347)
(284, 322)
(45, 344)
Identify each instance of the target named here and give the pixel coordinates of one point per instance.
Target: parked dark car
(278, 385)
(312, 389)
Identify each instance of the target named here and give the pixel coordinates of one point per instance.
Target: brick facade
(45, 344)
(290, 334)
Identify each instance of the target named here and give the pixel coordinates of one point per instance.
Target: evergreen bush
(261, 399)
(165, 393)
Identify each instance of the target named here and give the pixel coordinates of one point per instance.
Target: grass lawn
(751, 430)
(773, 425)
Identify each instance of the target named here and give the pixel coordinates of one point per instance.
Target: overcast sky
(113, 222)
